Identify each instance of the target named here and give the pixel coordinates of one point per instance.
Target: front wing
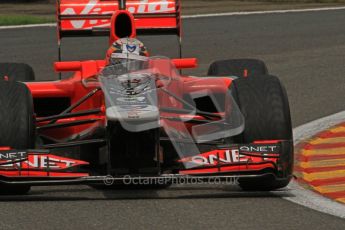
(259, 159)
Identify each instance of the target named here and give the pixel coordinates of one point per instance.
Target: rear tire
(17, 126)
(264, 104)
(237, 67)
(17, 72)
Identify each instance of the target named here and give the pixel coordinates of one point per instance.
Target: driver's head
(127, 52)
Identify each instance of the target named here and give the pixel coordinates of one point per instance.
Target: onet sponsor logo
(42, 162)
(230, 156)
(259, 149)
(235, 155)
(12, 155)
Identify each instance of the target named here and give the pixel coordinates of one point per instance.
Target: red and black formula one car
(142, 119)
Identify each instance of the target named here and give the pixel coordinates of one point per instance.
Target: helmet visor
(129, 62)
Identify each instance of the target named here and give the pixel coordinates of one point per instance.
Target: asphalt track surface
(305, 50)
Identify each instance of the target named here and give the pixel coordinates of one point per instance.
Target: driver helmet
(127, 53)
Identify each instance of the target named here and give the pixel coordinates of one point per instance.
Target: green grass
(6, 20)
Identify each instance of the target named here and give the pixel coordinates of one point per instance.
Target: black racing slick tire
(264, 104)
(17, 126)
(17, 72)
(238, 68)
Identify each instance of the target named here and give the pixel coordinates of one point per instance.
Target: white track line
(28, 26)
(264, 12)
(306, 197)
(208, 15)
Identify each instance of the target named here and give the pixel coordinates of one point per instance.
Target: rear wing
(93, 17)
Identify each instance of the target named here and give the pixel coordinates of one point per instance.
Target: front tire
(264, 104)
(17, 126)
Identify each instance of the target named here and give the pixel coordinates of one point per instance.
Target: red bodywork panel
(73, 89)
